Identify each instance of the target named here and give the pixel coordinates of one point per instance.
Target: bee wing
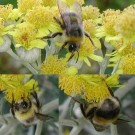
(120, 121)
(43, 117)
(63, 9)
(77, 9)
(123, 119)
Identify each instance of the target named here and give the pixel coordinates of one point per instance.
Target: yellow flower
(15, 87)
(127, 64)
(5, 11)
(120, 51)
(92, 88)
(90, 12)
(41, 17)
(1, 26)
(109, 18)
(15, 14)
(68, 2)
(125, 25)
(20, 90)
(71, 84)
(124, 49)
(49, 3)
(131, 7)
(90, 27)
(71, 2)
(53, 65)
(25, 35)
(4, 30)
(6, 80)
(24, 5)
(112, 80)
(96, 92)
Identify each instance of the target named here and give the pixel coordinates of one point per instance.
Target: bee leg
(52, 36)
(77, 56)
(72, 55)
(74, 99)
(59, 22)
(63, 46)
(43, 117)
(12, 108)
(88, 35)
(34, 94)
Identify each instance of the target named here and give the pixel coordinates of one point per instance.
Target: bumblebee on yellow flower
(36, 29)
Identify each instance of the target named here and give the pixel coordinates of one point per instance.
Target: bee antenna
(77, 56)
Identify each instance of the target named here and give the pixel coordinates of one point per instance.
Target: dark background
(102, 4)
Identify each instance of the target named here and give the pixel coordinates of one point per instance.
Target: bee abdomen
(109, 109)
(88, 111)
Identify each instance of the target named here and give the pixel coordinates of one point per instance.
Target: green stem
(27, 65)
(39, 128)
(116, 67)
(76, 130)
(106, 61)
(47, 108)
(114, 130)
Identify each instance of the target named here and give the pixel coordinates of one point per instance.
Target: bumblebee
(72, 26)
(103, 113)
(28, 112)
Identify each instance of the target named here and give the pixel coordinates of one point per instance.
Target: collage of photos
(67, 67)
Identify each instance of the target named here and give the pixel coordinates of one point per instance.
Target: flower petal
(96, 58)
(38, 44)
(42, 32)
(86, 60)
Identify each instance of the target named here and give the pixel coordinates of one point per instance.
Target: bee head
(22, 106)
(72, 47)
(108, 109)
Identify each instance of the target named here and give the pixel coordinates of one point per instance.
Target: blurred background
(48, 91)
(9, 65)
(101, 4)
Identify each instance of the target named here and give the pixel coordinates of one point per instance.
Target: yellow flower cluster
(92, 88)
(5, 11)
(16, 87)
(25, 34)
(24, 5)
(55, 65)
(1, 26)
(127, 64)
(32, 20)
(90, 12)
(125, 25)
